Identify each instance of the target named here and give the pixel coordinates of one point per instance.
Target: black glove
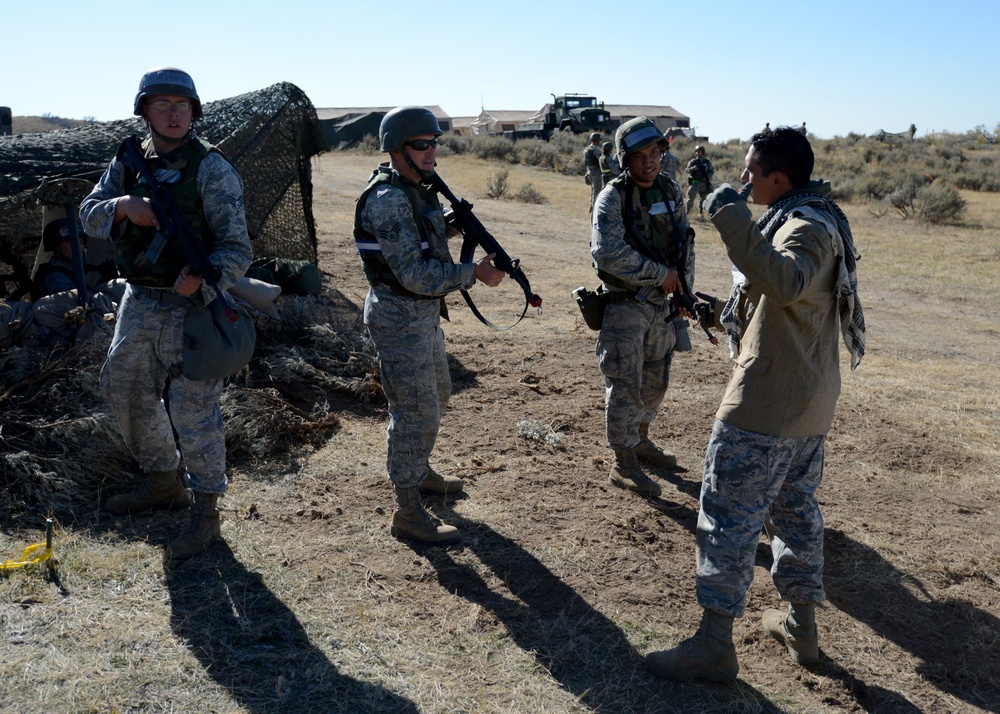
(721, 197)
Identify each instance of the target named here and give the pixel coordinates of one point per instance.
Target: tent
(350, 129)
(346, 127)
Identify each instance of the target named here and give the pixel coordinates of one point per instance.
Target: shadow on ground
(253, 646)
(580, 647)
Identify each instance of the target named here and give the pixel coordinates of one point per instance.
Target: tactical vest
(376, 268)
(133, 254)
(700, 170)
(654, 235)
(589, 160)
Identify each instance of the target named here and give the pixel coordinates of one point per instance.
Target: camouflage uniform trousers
(701, 189)
(748, 478)
(417, 385)
(596, 184)
(148, 341)
(634, 351)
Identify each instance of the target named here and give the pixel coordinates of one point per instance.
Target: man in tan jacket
(795, 291)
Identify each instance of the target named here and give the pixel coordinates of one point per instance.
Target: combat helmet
(401, 123)
(637, 134)
(58, 230)
(167, 80)
(596, 136)
(607, 146)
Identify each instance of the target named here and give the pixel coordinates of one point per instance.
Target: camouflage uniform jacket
(389, 215)
(668, 165)
(610, 166)
(221, 191)
(786, 380)
(612, 252)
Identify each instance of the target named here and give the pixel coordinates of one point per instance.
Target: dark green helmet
(401, 123)
(637, 134)
(167, 80)
(58, 230)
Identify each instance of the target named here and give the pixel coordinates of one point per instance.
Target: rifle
(173, 225)
(475, 233)
(682, 297)
(79, 277)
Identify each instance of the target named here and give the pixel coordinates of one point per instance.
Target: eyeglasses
(162, 105)
(421, 144)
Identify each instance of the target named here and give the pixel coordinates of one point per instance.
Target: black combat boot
(163, 491)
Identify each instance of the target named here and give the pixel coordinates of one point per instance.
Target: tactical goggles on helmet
(421, 144)
(633, 139)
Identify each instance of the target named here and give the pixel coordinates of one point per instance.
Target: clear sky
(840, 66)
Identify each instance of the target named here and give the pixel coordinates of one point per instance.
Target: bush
(875, 185)
(454, 144)
(497, 183)
(369, 144)
(535, 152)
(494, 148)
(940, 203)
(529, 194)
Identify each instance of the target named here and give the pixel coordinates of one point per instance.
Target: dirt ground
(911, 622)
(562, 582)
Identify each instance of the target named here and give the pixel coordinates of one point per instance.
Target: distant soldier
(668, 163)
(59, 273)
(700, 173)
(402, 236)
(610, 168)
(592, 160)
(802, 130)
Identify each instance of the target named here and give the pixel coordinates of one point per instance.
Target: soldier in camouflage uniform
(592, 161)
(610, 168)
(642, 248)
(700, 173)
(794, 293)
(147, 349)
(668, 164)
(402, 236)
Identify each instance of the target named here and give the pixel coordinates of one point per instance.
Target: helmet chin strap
(412, 165)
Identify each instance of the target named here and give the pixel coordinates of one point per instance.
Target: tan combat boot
(413, 522)
(203, 528)
(710, 654)
(796, 630)
(649, 452)
(627, 474)
(443, 484)
(162, 491)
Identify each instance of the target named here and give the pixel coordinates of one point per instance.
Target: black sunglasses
(421, 144)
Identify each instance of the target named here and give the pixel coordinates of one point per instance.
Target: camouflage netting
(61, 450)
(269, 135)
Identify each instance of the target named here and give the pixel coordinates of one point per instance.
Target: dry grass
(561, 584)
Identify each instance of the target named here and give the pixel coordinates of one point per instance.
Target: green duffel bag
(294, 277)
(218, 340)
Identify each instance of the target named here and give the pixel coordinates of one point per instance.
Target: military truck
(578, 113)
